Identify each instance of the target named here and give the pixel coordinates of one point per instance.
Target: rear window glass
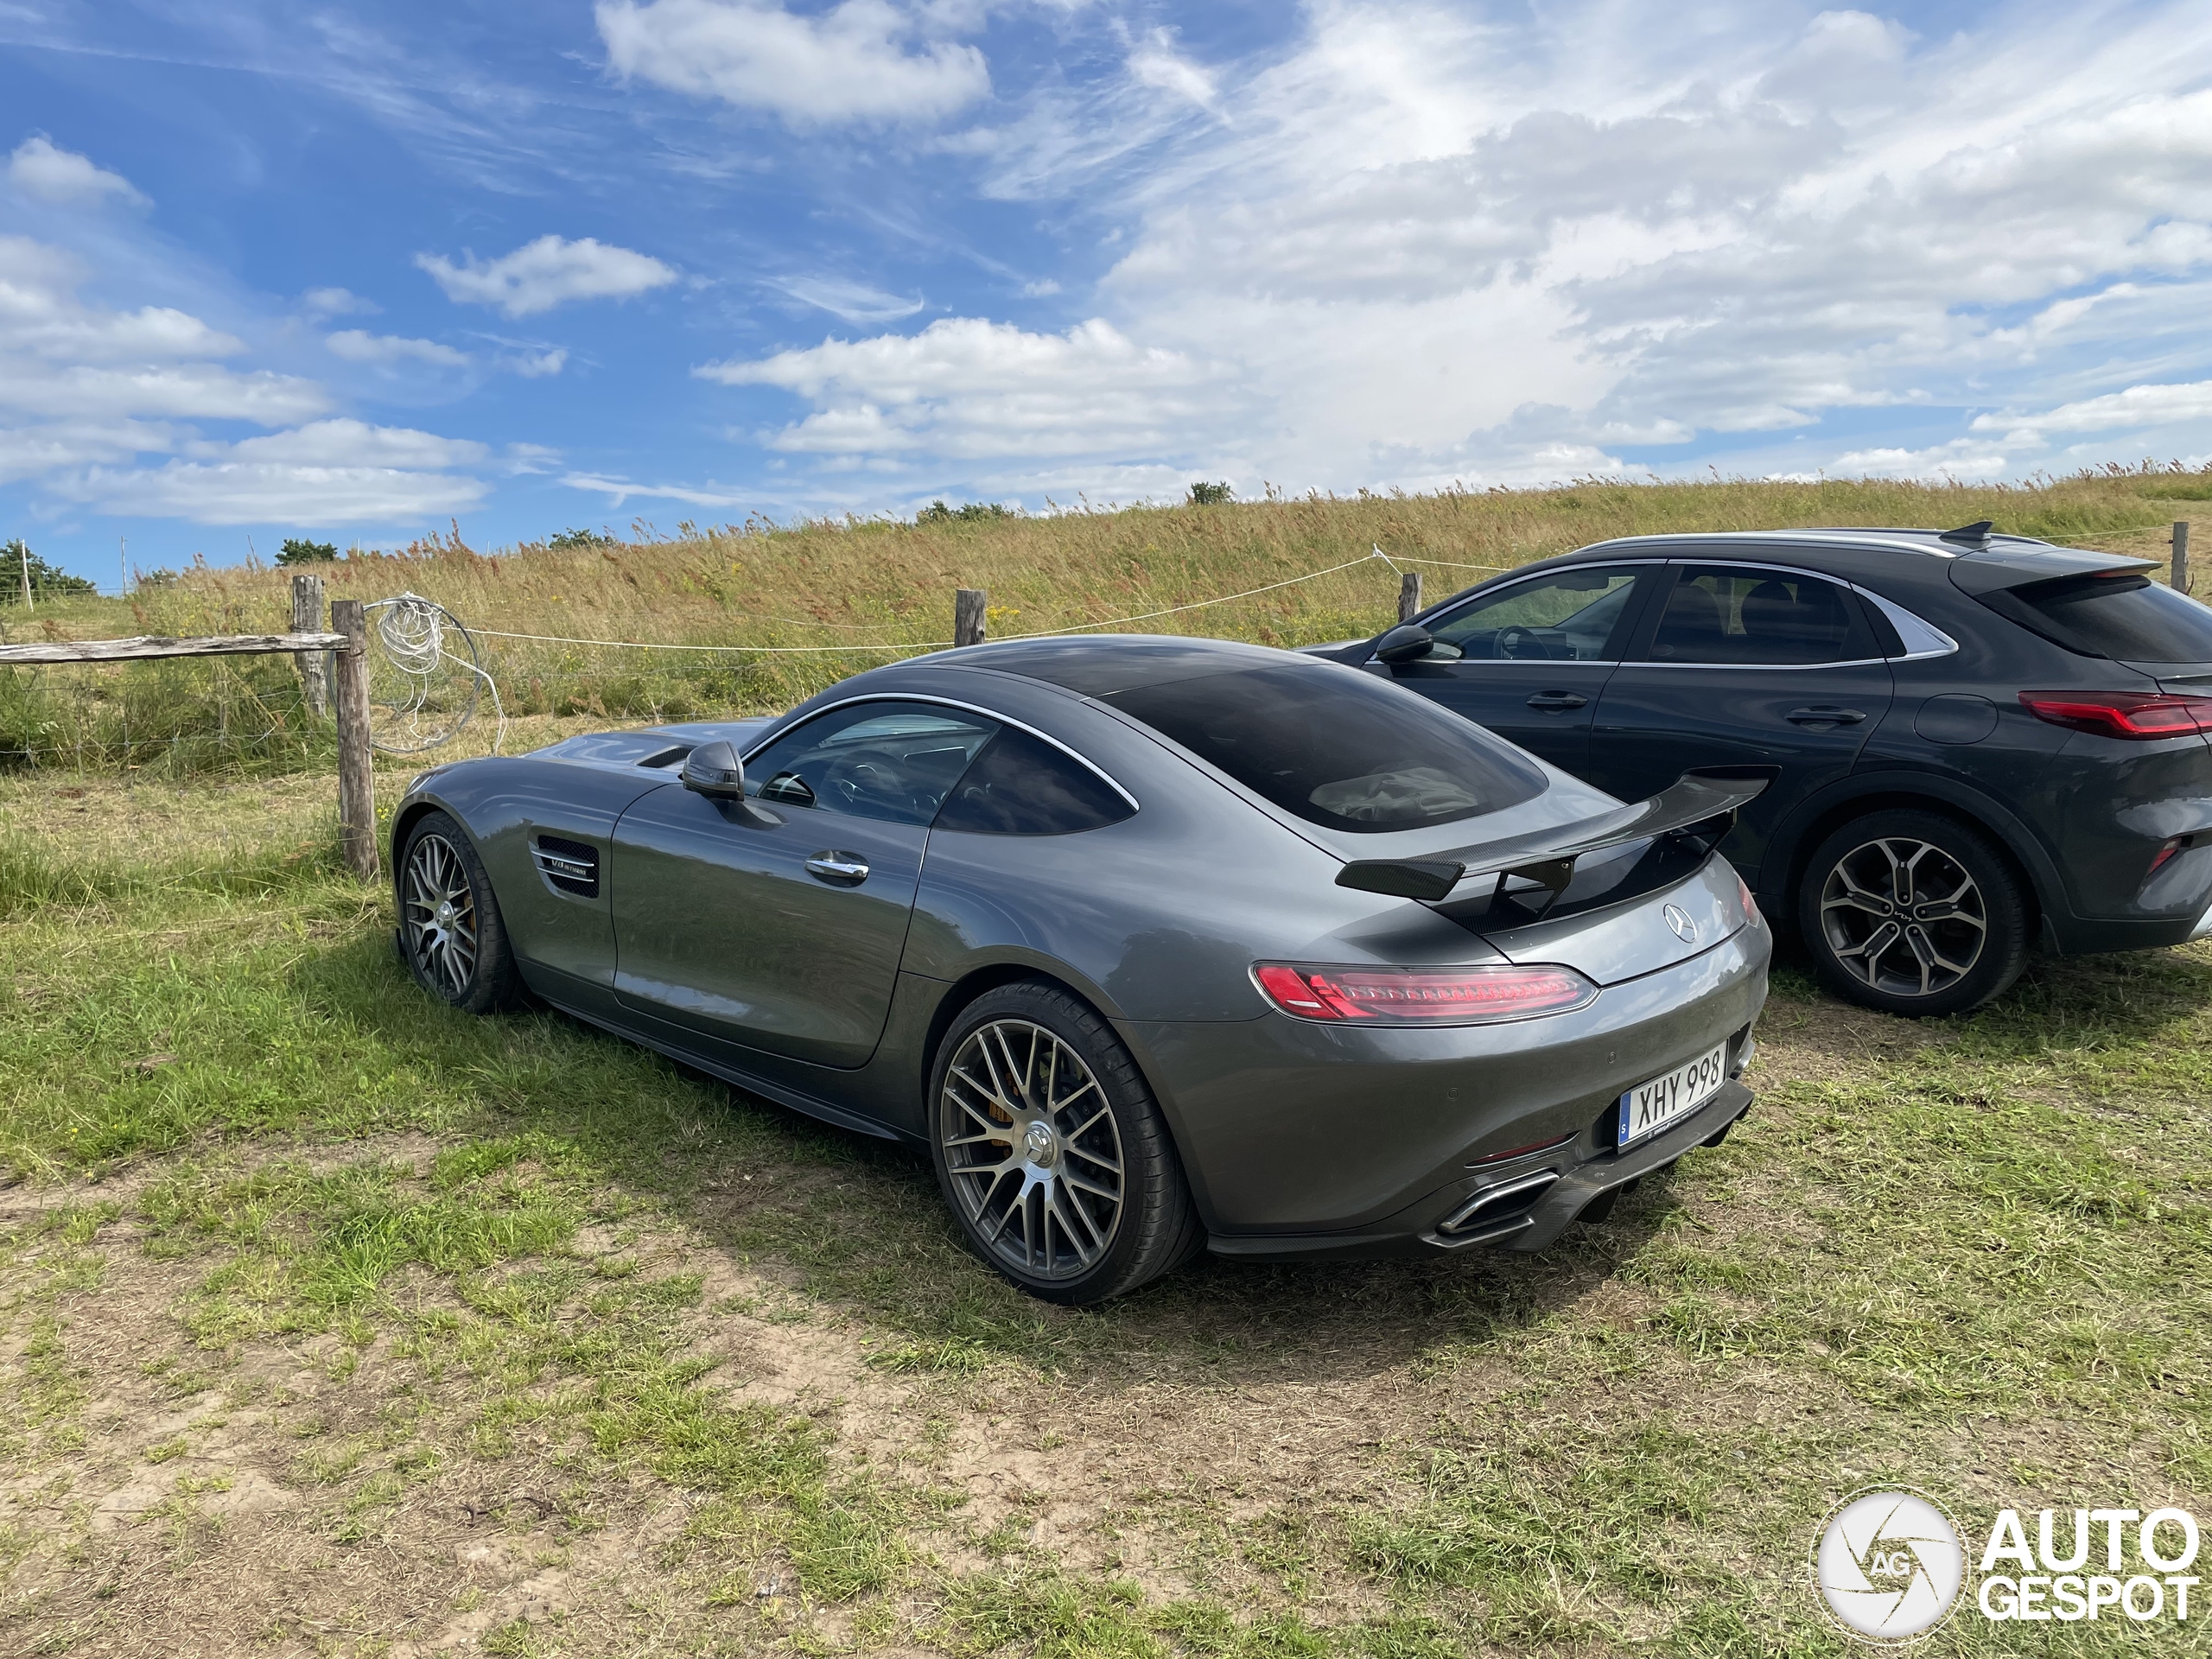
(2128, 618)
(1021, 785)
(1337, 747)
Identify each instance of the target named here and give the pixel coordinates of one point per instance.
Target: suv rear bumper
(2077, 936)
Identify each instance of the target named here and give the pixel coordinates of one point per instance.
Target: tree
(967, 513)
(298, 550)
(15, 560)
(568, 541)
(1211, 495)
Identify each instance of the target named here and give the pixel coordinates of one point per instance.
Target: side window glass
(896, 761)
(1022, 787)
(1569, 616)
(1719, 613)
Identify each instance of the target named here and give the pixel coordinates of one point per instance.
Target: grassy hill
(825, 599)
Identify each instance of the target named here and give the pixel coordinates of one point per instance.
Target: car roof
(1929, 543)
(1100, 664)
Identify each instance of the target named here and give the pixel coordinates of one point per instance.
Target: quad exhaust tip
(1500, 1202)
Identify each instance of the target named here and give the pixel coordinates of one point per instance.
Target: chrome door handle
(1825, 717)
(838, 869)
(1557, 700)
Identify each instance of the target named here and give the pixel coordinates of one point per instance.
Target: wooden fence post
(1408, 596)
(968, 614)
(314, 665)
(2178, 573)
(357, 804)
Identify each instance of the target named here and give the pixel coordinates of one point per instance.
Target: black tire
(451, 933)
(998, 1069)
(1913, 913)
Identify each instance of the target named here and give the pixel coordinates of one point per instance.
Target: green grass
(496, 1259)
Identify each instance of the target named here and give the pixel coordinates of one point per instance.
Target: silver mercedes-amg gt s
(1157, 943)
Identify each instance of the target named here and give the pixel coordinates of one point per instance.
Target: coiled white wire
(412, 635)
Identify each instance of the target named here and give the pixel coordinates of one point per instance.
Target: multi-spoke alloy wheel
(441, 915)
(450, 929)
(1904, 915)
(1051, 1151)
(1914, 912)
(1031, 1149)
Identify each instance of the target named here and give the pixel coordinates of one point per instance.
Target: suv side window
(1573, 615)
(1728, 615)
(1021, 786)
(895, 761)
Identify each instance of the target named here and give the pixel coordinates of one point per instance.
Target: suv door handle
(838, 869)
(1557, 700)
(1825, 717)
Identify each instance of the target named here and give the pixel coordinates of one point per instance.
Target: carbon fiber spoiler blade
(1705, 799)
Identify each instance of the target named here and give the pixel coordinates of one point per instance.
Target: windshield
(1337, 747)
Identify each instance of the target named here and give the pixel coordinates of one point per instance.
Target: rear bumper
(1577, 1186)
(2076, 935)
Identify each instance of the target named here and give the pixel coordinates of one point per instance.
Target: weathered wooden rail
(348, 642)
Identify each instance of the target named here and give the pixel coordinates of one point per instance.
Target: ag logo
(1889, 1566)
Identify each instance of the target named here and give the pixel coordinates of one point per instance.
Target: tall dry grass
(836, 597)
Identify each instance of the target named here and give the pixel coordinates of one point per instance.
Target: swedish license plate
(1650, 1107)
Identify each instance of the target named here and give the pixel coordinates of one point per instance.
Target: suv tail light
(1421, 997)
(2141, 716)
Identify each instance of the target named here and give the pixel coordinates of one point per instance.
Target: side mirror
(714, 770)
(1407, 643)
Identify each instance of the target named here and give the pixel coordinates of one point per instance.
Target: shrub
(297, 551)
(1211, 495)
(568, 540)
(968, 513)
(18, 562)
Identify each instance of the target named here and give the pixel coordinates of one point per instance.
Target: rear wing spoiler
(1702, 803)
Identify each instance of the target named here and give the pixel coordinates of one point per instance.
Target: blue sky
(274, 269)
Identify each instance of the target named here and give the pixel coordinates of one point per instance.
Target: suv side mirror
(1407, 643)
(714, 770)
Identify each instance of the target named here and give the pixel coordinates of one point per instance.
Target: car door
(777, 923)
(1529, 659)
(1740, 664)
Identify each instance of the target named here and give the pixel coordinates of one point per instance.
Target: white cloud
(34, 451)
(1963, 459)
(2137, 408)
(536, 365)
(854, 301)
(329, 472)
(345, 442)
(618, 490)
(39, 167)
(967, 388)
(1658, 222)
(180, 391)
(259, 492)
(852, 63)
(357, 346)
(337, 303)
(550, 271)
(1156, 63)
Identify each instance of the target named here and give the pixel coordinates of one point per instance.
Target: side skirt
(782, 1094)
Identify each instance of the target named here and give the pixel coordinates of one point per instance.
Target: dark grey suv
(1980, 744)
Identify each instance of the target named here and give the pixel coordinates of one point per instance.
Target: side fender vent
(572, 867)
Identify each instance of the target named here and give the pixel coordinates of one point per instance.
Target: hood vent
(572, 867)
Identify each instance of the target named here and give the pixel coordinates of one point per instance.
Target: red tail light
(2138, 714)
(1421, 997)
